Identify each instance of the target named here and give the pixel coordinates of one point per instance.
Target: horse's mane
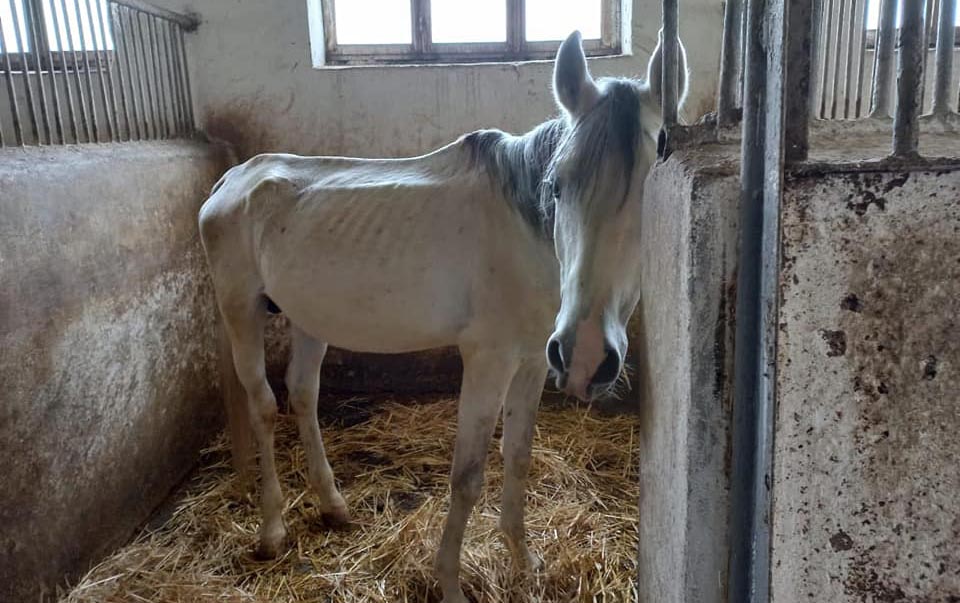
(526, 166)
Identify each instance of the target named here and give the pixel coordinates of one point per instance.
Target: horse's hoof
(266, 552)
(336, 517)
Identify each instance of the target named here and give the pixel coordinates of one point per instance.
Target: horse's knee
(466, 483)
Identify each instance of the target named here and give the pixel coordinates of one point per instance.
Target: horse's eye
(556, 189)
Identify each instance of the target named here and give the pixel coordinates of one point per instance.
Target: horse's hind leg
(303, 384)
(244, 322)
(519, 417)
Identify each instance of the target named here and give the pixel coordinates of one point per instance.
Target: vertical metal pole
(62, 54)
(730, 63)
(178, 113)
(84, 122)
(186, 79)
(927, 28)
(125, 36)
(863, 57)
(24, 71)
(33, 34)
(115, 124)
(669, 92)
(906, 121)
(849, 79)
(158, 78)
(136, 35)
(946, 38)
(816, 57)
(883, 77)
(98, 56)
(52, 70)
(86, 70)
(11, 89)
(837, 61)
(825, 74)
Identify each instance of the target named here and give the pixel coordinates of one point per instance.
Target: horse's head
(596, 180)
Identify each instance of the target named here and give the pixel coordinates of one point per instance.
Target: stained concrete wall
(689, 251)
(865, 478)
(106, 360)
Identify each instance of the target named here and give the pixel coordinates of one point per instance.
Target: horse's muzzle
(603, 378)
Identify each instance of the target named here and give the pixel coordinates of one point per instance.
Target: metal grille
(89, 71)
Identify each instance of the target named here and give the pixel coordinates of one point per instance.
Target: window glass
(555, 19)
(372, 21)
(468, 21)
(9, 34)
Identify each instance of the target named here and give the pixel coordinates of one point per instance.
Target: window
(932, 20)
(424, 31)
(67, 25)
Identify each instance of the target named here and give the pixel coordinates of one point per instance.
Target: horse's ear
(655, 71)
(573, 87)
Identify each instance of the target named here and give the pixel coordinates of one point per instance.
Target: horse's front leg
(486, 377)
(519, 416)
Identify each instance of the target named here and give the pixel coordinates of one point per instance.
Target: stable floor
(392, 460)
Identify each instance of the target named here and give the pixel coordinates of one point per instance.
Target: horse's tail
(238, 413)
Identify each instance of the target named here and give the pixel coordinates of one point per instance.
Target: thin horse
(494, 243)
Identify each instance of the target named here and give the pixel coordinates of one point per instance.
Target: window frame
(42, 57)
(423, 50)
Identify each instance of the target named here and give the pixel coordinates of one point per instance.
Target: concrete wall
(689, 251)
(865, 478)
(106, 354)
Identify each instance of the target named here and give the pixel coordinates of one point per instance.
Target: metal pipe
(135, 124)
(946, 38)
(86, 71)
(863, 57)
(115, 124)
(24, 71)
(187, 22)
(837, 61)
(11, 89)
(178, 115)
(849, 79)
(825, 73)
(906, 121)
(158, 77)
(101, 76)
(816, 56)
(34, 35)
(730, 63)
(84, 122)
(57, 113)
(63, 70)
(669, 94)
(139, 60)
(186, 80)
(883, 77)
(927, 28)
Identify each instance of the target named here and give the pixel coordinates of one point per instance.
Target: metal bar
(84, 122)
(516, 25)
(177, 102)
(946, 38)
(669, 92)
(837, 59)
(51, 67)
(827, 27)
(799, 70)
(849, 79)
(816, 57)
(115, 124)
(187, 22)
(34, 36)
(63, 69)
(11, 89)
(166, 69)
(86, 71)
(134, 124)
(139, 60)
(158, 78)
(906, 121)
(863, 57)
(756, 305)
(883, 76)
(24, 71)
(191, 124)
(927, 27)
(730, 63)
(99, 61)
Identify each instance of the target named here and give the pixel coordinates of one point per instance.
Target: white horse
(494, 243)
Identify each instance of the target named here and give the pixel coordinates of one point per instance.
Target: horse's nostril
(609, 369)
(555, 357)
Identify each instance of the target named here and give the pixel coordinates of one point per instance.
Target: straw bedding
(393, 467)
